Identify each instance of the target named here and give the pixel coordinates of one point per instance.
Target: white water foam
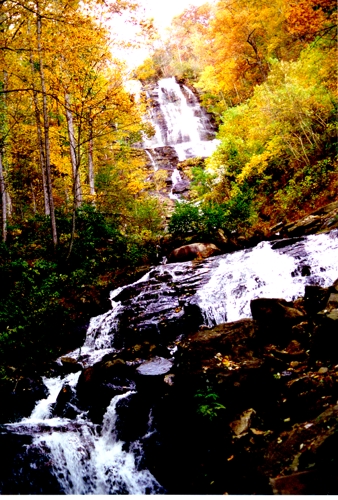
(184, 122)
(86, 460)
(43, 408)
(264, 272)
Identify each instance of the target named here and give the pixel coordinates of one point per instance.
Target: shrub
(206, 218)
(208, 404)
(186, 218)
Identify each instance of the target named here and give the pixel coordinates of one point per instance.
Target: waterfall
(220, 287)
(71, 452)
(84, 457)
(179, 121)
(152, 161)
(175, 179)
(179, 124)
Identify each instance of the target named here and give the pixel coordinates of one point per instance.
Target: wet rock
(315, 298)
(19, 399)
(70, 365)
(334, 286)
(277, 316)
(25, 471)
(66, 403)
(199, 351)
(155, 366)
(332, 303)
(276, 227)
(325, 332)
(193, 251)
(285, 242)
(180, 187)
(99, 383)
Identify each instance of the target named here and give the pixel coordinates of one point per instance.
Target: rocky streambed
(247, 407)
(253, 409)
(195, 401)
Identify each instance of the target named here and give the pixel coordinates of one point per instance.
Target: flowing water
(87, 458)
(179, 123)
(76, 454)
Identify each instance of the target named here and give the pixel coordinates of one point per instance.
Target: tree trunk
(75, 160)
(91, 164)
(3, 193)
(41, 145)
(9, 205)
(3, 201)
(46, 131)
(33, 199)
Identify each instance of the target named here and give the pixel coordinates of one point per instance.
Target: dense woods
(75, 210)
(72, 200)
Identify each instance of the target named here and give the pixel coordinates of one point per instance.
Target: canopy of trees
(73, 206)
(66, 121)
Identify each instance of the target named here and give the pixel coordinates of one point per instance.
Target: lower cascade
(93, 431)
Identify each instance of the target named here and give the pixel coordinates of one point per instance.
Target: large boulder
(193, 251)
(275, 310)
(276, 318)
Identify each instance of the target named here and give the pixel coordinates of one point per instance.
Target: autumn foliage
(267, 71)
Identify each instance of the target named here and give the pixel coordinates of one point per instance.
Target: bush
(45, 299)
(206, 218)
(186, 218)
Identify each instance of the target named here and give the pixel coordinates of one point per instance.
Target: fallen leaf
(257, 432)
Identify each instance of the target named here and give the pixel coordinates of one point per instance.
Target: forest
(77, 215)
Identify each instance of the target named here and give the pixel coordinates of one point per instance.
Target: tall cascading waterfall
(182, 130)
(61, 448)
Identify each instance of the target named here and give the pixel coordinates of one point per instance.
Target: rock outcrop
(193, 251)
(253, 408)
(323, 219)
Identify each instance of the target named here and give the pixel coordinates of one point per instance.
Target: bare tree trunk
(33, 199)
(41, 146)
(3, 193)
(3, 201)
(91, 164)
(46, 131)
(9, 205)
(75, 160)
